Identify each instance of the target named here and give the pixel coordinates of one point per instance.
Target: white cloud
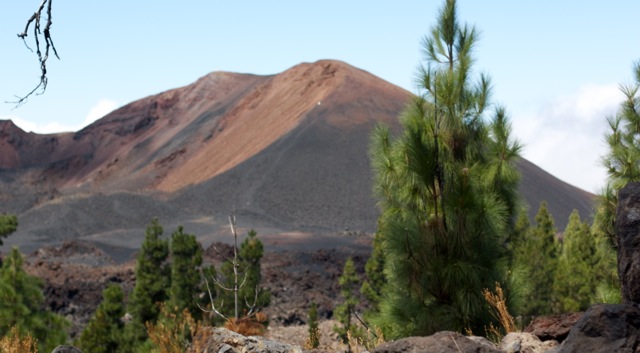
(101, 108)
(566, 136)
(30, 126)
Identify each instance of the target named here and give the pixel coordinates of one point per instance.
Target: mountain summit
(288, 152)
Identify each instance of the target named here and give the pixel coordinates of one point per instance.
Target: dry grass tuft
(369, 340)
(248, 326)
(14, 342)
(174, 333)
(498, 303)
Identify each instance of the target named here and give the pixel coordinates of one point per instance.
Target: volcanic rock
(605, 328)
(66, 349)
(554, 327)
(221, 340)
(440, 342)
(523, 342)
(628, 239)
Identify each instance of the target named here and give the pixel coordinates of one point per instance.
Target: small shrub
(366, 341)
(173, 332)
(313, 340)
(14, 342)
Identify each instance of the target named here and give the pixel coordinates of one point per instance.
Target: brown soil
(76, 273)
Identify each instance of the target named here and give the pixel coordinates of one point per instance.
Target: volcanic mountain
(287, 152)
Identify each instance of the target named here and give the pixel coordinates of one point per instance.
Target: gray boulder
(605, 328)
(66, 349)
(627, 230)
(524, 342)
(441, 342)
(221, 340)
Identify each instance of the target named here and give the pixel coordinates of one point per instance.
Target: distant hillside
(289, 152)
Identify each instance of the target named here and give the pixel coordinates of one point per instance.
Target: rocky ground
(75, 273)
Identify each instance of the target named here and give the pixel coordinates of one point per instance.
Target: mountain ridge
(288, 152)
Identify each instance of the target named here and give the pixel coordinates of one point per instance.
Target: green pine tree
(251, 253)
(186, 280)
(519, 235)
(606, 272)
(623, 166)
(153, 280)
(22, 304)
(518, 268)
(104, 332)
(447, 188)
(349, 282)
(8, 225)
(538, 256)
(623, 160)
(575, 278)
(373, 286)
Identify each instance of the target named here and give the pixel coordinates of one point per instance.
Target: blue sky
(555, 65)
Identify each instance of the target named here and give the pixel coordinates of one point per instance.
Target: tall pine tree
(447, 189)
(186, 280)
(104, 333)
(537, 256)
(153, 280)
(373, 286)
(575, 276)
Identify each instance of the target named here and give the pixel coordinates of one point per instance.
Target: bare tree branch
(213, 304)
(235, 262)
(252, 307)
(39, 34)
(224, 257)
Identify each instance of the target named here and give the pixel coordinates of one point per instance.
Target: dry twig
(235, 262)
(37, 19)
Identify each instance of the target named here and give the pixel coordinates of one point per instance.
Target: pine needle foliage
(447, 188)
(153, 280)
(104, 333)
(344, 312)
(186, 279)
(623, 166)
(575, 279)
(622, 162)
(537, 258)
(22, 306)
(8, 225)
(373, 286)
